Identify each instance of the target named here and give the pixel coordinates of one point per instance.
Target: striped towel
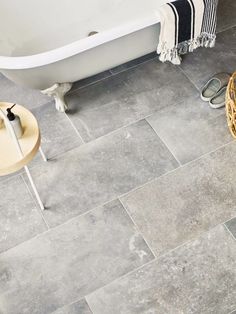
(185, 26)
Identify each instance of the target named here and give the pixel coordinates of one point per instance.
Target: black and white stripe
(176, 22)
(193, 24)
(184, 12)
(209, 16)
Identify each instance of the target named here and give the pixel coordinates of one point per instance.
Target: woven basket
(230, 104)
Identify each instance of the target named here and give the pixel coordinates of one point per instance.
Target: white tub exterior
(45, 42)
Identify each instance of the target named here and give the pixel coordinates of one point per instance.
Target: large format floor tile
(191, 128)
(11, 92)
(58, 135)
(199, 277)
(126, 98)
(200, 65)
(19, 217)
(80, 307)
(181, 205)
(98, 172)
(68, 262)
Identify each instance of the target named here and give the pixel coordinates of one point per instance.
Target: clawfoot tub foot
(58, 91)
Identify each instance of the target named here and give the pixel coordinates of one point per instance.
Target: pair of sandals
(215, 89)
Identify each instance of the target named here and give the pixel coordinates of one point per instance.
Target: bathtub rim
(67, 51)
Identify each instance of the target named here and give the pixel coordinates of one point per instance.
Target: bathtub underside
(90, 62)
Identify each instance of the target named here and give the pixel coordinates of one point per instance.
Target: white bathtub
(43, 42)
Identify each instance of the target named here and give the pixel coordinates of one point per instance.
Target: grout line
(152, 261)
(100, 137)
(223, 222)
(231, 234)
(208, 153)
(73, 302)
(76, 131)
(104, 135)
(71, 92)
(60, 225)
(162, 140)
(74, 91)
(85, 297)
(156, 259)
(148, 182)
(122, 195)
(36, 204)
(188, 78)
(119, 197)
(113, 131)
(225, 29)
(174, 170)
(50, 228)
(134, 121)
(121, 277)
(137, 228)
(88, 305)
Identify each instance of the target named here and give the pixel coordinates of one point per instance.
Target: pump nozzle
(10, 115)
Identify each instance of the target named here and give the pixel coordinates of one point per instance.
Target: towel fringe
(173, 55)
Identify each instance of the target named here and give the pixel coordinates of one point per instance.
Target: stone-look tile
(29, 98)
(181, 205)
(226, 14)
(127, 97)
(157, 76)
(12, 175)
(98, 172)
(80, 307)
(100, 76)
(231, 225)
(202, 64)
(90, 80)
(133, 63)
(199, 277)
(191, 128)
(97, 94)
(19, 217)
(57, 133)
(93, 123)
(68, 262)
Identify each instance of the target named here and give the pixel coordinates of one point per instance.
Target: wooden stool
(15, 153)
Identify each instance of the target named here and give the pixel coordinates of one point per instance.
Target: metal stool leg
(34, 188)
(42, 154)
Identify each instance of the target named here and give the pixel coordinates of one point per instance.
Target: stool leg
(34, 187)
(42, 154)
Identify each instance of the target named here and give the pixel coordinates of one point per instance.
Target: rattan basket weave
(230, 104)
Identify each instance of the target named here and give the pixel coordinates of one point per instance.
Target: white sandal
(218, 101)
(214, 85)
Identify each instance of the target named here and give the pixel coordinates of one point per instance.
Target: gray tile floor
(140, 194)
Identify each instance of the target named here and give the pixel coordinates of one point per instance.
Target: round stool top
(10, 160)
